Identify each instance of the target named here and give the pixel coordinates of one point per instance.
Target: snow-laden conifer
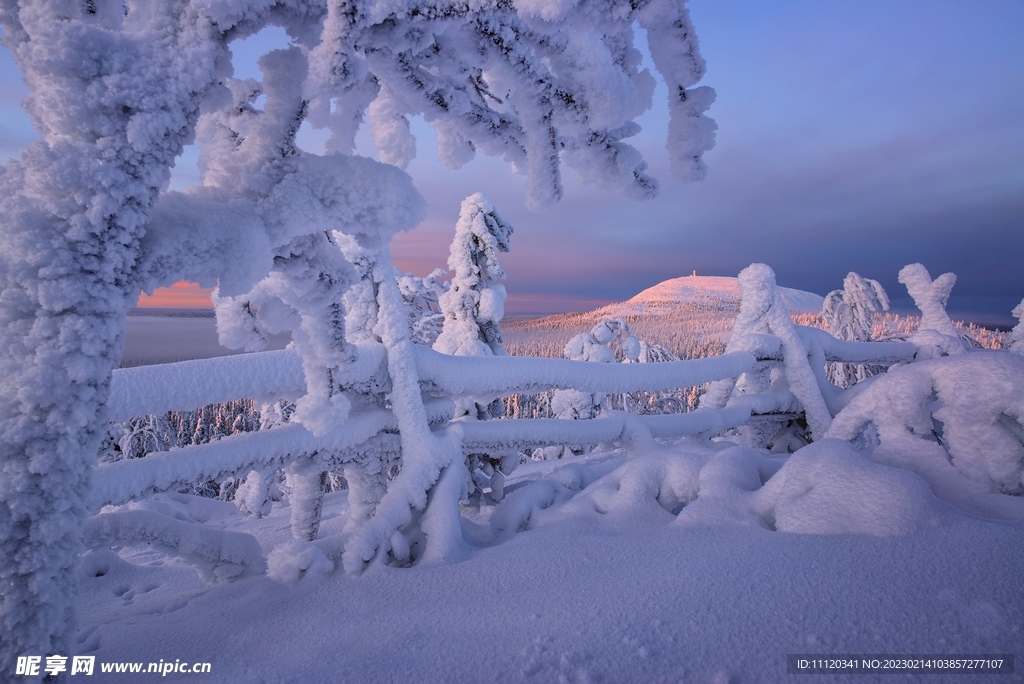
(472, 309)
(1015, 342)
(849, 315)
(474, 304)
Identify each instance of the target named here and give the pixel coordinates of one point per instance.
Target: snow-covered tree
(849, 315)
(118, 87)
(574, 404)
(145, 434)
(1015, 342)
(474, 304)
(273, 414)
(472, 309)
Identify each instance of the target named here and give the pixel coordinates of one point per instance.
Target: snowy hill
(718, 288)
(691, 316)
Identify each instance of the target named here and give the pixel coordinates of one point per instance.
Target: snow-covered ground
(581, 575)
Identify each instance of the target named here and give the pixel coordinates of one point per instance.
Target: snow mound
(826, 488)
(296, 559)
(720, 288)
(830, 488)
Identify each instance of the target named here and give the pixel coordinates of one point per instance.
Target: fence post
(307, 481)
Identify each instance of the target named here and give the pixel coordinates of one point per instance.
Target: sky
(851, 137)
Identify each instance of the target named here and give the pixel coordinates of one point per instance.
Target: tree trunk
(72, 212)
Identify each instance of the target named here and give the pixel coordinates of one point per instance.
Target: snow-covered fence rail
(537, 432)
(120, 482)
(836, 350)
(273, 375)
(277, 374)
(499, 376)
(189, 384)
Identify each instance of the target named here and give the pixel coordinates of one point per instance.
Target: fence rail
(270, 376)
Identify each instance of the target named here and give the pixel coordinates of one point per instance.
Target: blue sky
(852, 136)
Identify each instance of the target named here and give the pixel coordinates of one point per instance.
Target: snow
(830, 488)
(720, 288)
(528, 433)
(583, 573)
